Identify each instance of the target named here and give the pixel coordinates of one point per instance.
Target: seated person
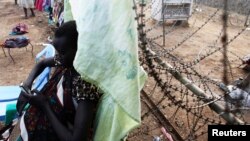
(64, 109)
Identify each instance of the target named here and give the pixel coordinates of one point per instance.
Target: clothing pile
(19, 29)
(18, 42)
(54, 8)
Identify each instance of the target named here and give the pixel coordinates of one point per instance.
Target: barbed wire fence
(178, 95)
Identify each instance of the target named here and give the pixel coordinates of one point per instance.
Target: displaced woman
(64, 109)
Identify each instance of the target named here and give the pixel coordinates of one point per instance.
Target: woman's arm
(38, 69)
(82, 122)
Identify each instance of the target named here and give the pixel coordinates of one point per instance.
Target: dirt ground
(13, 74)
(202, 41)
(200, 44)
(10, 15)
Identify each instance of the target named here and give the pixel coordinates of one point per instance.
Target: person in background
(27, 4)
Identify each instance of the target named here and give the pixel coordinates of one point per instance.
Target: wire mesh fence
(186, 89)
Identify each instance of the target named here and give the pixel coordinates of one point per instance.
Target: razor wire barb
(168, 92)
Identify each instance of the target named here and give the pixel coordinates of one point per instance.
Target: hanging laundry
(57, 13)
(46, 4)
(39, 5)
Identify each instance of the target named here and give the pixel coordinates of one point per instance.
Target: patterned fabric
(37, 124)
(58, 9)
(38, 127)
(6, 131)
(19, 29)
(81, 89)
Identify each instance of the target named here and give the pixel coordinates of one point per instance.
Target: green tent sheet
(107, 56)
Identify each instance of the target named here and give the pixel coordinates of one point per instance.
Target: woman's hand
(38, 100)
(21, 103)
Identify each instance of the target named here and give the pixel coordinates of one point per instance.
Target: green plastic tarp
(107, 56)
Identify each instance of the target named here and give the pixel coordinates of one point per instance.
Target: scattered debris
(246, 59)
(166, 134)
(246, 62)
(198, 9)
(157, 138)
(179, 123)
(49, 39)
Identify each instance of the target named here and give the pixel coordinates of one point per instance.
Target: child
(27, 4)
(64, 109)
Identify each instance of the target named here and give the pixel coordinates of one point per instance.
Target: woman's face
(65, 50)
